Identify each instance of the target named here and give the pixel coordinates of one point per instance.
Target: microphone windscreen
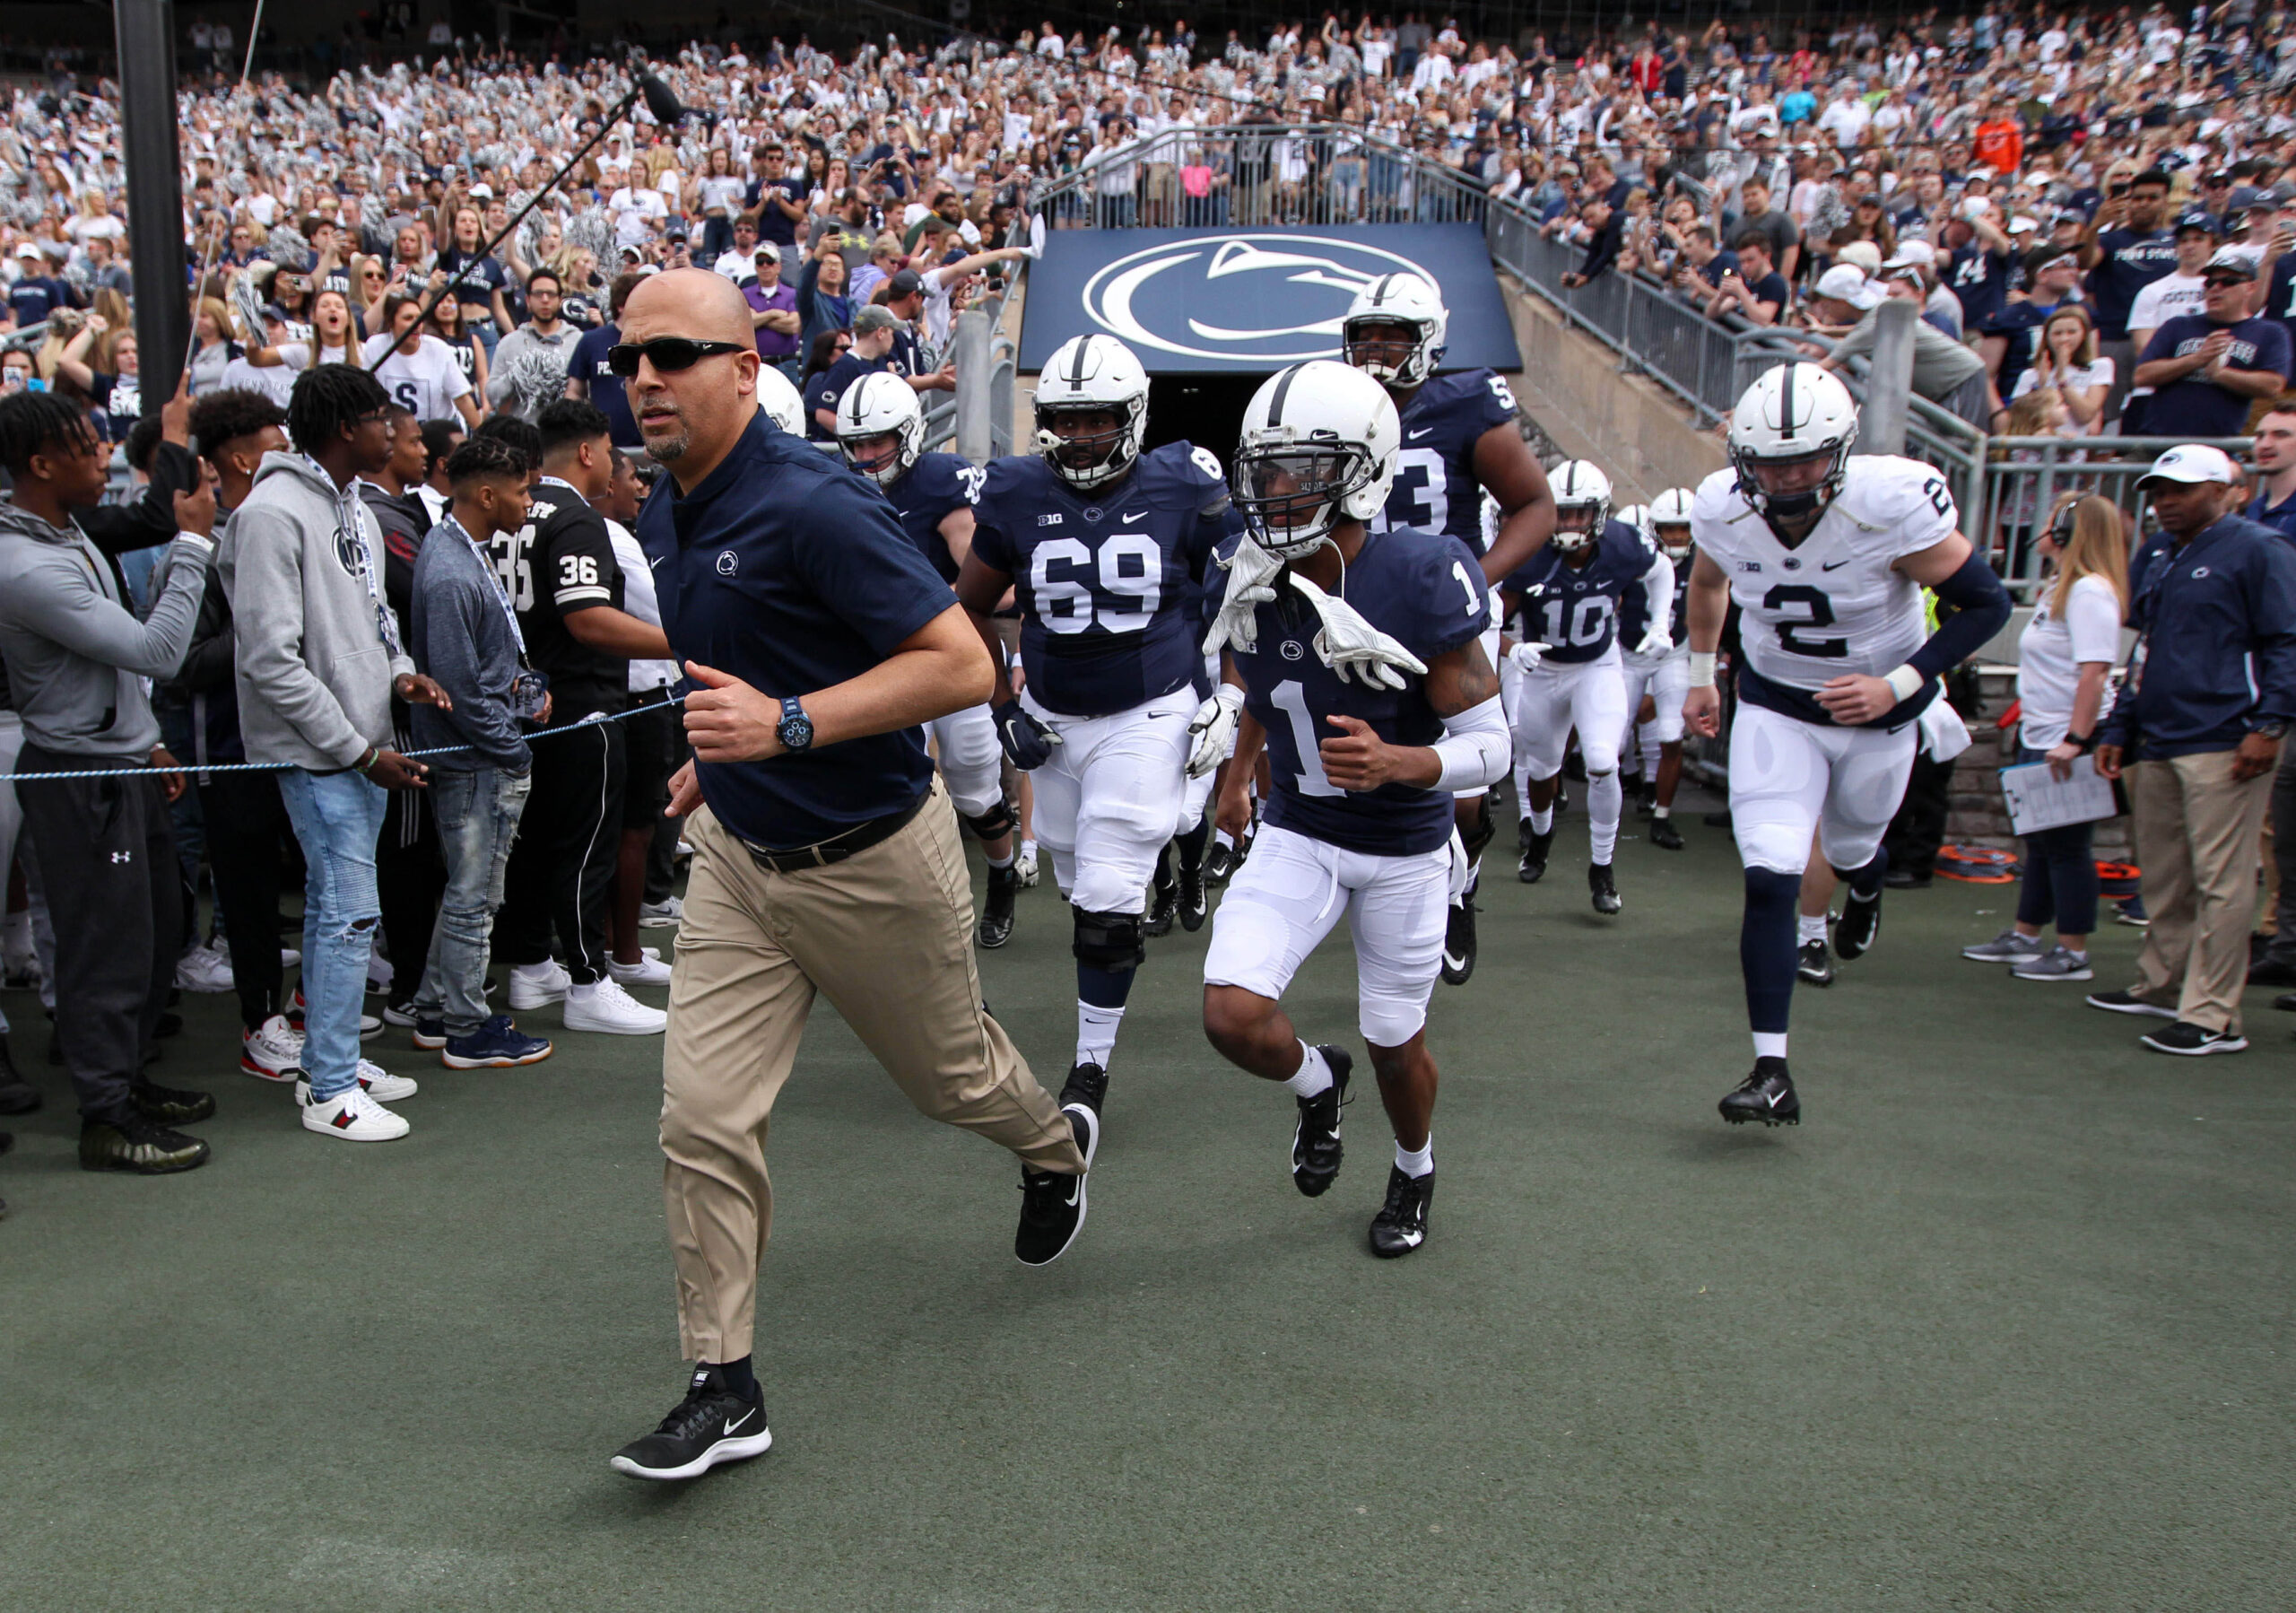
(659, 100)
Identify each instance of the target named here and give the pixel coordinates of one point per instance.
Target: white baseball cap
(1847, 282)
(1912, 254)
(2192, 462)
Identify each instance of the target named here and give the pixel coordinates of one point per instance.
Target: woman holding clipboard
(2062, 659)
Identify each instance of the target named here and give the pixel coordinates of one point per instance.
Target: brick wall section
(1978, 817)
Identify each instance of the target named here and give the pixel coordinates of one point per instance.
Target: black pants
(411, 876)
(248, 837)
(1918, 831)
(564, 859)
(107, 870)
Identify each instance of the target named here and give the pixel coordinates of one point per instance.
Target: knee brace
(999, 820)
(1108, 940)
(1485, 826)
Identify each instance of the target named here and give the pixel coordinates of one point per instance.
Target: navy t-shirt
(2280, 295)
(2021, 323)
(936, 485)
(589, 364)
(1979, 281)
(35, 297)
(1574, 610)
(830, 385)
(789, 571)
(2126, 264)
(772, 223)
(1425, 590)
(2196, 408)
(475, 280)
(2280, 517)
(1435, 488)
(1105, 578)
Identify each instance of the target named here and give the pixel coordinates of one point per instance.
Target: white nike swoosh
(1415, 436)
(1141, 516)
(656, 564)
(737, 1422)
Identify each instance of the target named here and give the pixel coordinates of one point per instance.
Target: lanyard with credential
(347, 502)
(529, 690)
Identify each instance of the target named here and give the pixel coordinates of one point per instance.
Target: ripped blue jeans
(336, 818)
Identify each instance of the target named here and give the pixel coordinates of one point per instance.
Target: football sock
(1543, 820)
(1605, 800)
(1649, 761)
(1661, 812)
(1192, 843)
(1523, 786)
(1766, 948)
(1313, 1077)
(1005, 861)
(1419, 1161)
(1096, 1025)
(737, 1375)
(1812, 927)
(1770, 1044)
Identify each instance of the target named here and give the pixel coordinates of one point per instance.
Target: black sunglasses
(670, 354)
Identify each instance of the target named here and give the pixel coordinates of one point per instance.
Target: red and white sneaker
(272, 1051)
(370, 1024)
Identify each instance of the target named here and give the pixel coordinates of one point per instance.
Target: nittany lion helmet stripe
(1282, 390)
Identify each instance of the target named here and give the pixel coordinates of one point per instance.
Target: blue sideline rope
(593, 720)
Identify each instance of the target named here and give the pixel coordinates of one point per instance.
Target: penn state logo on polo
(1273, 298)
(727, 563)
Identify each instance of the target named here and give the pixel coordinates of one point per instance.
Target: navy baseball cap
(2196, 220)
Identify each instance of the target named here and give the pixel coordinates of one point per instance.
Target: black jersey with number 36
(560, 562)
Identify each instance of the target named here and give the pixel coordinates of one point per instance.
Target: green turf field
(2004, 1325)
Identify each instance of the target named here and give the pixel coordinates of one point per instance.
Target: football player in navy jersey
(1459, 441)
(1364, 677)
(1103, 546)
(881, 431)
(1564, 670)
(1659, 680)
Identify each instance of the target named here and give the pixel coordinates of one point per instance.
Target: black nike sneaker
(171, 1105)
(1813, 963)
(135, 1143)
(1087, 1084)
(1052, 1206)
(1533, 868)
(1164, 900)
(1602, 888)
(1401, 1224)
(713, 1423)
(997, 912)
(1664, 835)
(1860, 922)
(1458, 940)
(1193, 904)
(1315, 1142)
(1766, 1096)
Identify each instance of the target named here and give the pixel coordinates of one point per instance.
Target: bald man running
(815, 639)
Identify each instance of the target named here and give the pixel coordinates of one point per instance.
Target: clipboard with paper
(2039, 800)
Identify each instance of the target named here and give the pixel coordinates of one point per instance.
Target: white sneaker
(663, 914)
(203, 969)
(354, 1117)
(606, 1007)
(538, 985)
(272, 1051)
(371, 1026)
(289, 957)
(647, 971)
(374, 1080)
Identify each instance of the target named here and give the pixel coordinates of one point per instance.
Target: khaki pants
(887, 933)
(2196, 841)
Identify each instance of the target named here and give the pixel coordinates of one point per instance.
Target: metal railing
(2025, 476)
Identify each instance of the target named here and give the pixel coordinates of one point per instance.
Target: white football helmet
(1790, 437)
(876, 406)
(1084, 375)
(780, 400)
(1582, 503)
(1637, 516)
(1670, 523)
(1318, 446)
(1397, 298)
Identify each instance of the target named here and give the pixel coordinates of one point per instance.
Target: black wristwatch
(795, 730)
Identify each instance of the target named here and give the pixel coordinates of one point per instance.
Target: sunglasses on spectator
(670, 354)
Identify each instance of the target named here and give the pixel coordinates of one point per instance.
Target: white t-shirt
(2080, 378)
(2049, 653)
(639, 599)
(427, 380)
(2163, 299)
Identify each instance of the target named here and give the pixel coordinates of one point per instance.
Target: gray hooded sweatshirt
(301, 565)
(76, 655)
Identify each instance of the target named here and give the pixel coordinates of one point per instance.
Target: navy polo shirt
(792, 574)
(2280, 517)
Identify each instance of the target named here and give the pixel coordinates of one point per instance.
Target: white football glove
(1526, 656)
(1657, 640)
(1251, 583)
(1215, 727)
(1348, 643)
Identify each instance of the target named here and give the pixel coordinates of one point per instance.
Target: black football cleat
(1532, 869)
(1315, 1142)
(1163, 898)
(1052, 1206)
(1646, 798)
(1766, 1095)
(135, 1143)
(1860, 922)
(1813, 963)
(1401, 1224)
(1218, 864)
(1460, 940)
(1193, 904)
(1087, 1084)
(1664, 835)
(1602, 888)
(713, 1423)
(996, 914)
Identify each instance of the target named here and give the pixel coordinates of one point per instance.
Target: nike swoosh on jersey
(1415, 436)
(1140, 515)
(1832, 565)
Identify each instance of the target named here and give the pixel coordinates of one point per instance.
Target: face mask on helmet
(877, 457)
(1673, 541)
(1389, 351)
(1790, 489)
(1086, 443)
(1577, 525)
(1291, 496)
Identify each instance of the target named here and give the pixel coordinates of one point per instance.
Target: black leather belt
(860, 838)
